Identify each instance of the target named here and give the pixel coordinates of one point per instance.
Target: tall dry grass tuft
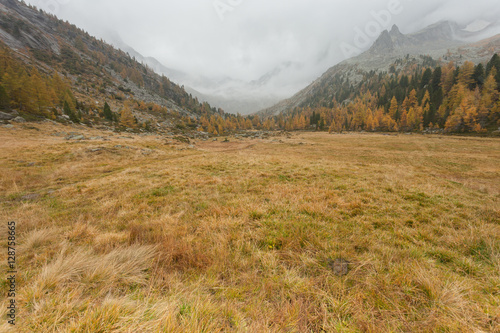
(120, 268)
(37, 238)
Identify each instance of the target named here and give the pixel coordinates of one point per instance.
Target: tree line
(455, 99)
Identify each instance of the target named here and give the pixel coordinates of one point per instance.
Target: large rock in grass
(19, 120)
(6, 116)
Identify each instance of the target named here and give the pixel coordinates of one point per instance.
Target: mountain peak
(395, 31)
(384, 43)
(432, 37)
(388, 41)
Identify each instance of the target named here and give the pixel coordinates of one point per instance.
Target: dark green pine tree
(67, 110)
(426, 78)
(436, 92)
(478, 77)
(494, 63)
(107, 112)
(4, 99)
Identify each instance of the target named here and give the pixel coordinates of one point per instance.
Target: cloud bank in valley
(245, 39)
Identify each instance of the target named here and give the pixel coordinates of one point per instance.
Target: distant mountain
(443, 40)
(176, 76)
(233, 96)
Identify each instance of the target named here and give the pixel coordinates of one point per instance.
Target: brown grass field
(142, 234)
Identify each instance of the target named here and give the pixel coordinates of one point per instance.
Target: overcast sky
(244, 39)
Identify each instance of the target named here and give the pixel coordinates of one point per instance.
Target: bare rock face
(34, 32)
(6, 116)
(398, 39)
(383, 44)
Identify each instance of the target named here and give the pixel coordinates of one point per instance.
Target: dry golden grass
(237, 237)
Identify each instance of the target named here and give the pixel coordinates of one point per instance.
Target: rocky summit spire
(398, 39)
(395, 30)
(383, 44)
(389, 41)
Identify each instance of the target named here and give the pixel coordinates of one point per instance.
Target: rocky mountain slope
(232, 95)
(38, 42)
(444, 40)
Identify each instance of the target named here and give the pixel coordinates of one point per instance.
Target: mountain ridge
(440, 40)
(42, 45)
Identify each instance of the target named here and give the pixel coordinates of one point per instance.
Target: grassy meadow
(147, 234)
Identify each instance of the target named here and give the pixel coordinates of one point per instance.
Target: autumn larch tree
(393, 109)
(126, 117)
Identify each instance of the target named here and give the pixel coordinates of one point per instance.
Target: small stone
(30, 197)
(340, 266)
(75, 136)
(19, 120)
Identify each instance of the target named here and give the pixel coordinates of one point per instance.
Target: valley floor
(126, 233)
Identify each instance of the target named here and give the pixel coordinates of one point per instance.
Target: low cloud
(245, 39)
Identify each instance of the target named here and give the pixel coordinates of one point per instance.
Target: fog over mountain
(246, 55)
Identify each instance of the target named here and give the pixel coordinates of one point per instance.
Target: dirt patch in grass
(218, 146)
